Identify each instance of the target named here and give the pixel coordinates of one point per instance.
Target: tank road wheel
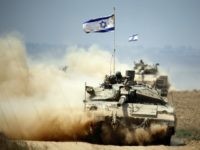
(110, 135)
(167, 140)
(106, 134)
(95, 134)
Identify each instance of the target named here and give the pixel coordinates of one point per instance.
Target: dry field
(187, 105)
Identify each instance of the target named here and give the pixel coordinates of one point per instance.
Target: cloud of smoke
(42, 101)
(93, 62)
(63, 125)
(45, 123)
(14, 69)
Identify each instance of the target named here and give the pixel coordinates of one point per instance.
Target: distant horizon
(182, 72)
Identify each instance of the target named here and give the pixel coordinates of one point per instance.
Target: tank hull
(113, 125)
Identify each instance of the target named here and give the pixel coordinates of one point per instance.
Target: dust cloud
(14, 69)
(137, 136)
(43, 102)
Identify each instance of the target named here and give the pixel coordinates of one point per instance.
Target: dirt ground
(187, 136)
(88, 146)
(187, 106)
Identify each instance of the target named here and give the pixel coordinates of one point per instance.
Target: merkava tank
(121, 107)
(149, 74)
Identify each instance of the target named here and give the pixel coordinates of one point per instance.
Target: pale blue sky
(169, 30)
(158, 22)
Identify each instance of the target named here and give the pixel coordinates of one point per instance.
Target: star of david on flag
(104, 24)
(133, 37)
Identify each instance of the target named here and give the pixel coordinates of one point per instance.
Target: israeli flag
(133, 38)
(104, 24)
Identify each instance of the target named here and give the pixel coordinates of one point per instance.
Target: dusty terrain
(187, 105)
(187, 111)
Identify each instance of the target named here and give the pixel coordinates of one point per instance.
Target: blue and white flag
(133, 38)
(103, 24)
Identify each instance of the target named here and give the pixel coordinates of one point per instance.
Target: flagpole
(114, 44)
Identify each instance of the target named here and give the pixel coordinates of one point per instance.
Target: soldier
(118, 77)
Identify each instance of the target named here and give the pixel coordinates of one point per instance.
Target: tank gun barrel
(122, 100)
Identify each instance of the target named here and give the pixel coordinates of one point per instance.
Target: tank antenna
(114, 44)
(111, 59)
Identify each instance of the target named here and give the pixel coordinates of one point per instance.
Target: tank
(149, 74)
(122, 108)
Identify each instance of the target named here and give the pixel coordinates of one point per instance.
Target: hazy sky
(158, 22)
(168, 29)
